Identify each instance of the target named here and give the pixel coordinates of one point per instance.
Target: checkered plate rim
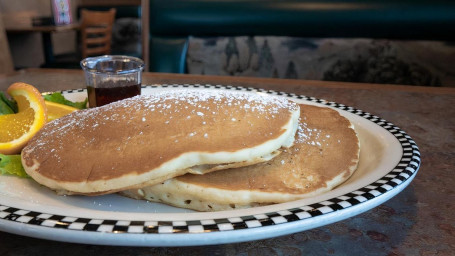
(402, 172)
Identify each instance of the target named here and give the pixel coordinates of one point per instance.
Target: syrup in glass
(101, 96)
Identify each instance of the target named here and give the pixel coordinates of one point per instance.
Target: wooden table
(418, 221)
(46, 32)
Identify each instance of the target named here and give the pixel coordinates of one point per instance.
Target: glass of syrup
(111, 78)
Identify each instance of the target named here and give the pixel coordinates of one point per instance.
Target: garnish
(18, 128)
(59, 98)
(57, 110)
(11, 164)
(7, 106)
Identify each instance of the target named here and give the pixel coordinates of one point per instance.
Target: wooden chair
(96, 32)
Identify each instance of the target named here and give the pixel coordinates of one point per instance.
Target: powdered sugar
(308, 135)
(193, 98)
(206, 106)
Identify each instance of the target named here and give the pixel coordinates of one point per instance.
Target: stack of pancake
(205, 150)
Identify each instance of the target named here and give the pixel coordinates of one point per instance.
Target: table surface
(418, 221)
(26, 28)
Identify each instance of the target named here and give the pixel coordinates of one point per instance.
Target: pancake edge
(173, 168)
(200, 198)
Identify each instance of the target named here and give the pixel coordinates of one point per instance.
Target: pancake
(145, 140)
(325, 154)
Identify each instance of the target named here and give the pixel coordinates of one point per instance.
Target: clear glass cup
(111, 78)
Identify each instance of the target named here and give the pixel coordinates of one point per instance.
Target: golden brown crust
(325, 147)
(139, 139)
(325, 154)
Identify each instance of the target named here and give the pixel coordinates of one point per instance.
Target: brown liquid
(102, 96)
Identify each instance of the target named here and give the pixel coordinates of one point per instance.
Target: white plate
(389, 160)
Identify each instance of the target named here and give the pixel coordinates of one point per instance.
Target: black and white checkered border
(405, 169)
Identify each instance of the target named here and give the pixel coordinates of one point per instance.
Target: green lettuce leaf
(12, 165)
(7, 106)
(5, 109)
(57, 97)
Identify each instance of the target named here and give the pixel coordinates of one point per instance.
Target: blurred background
(385, 42)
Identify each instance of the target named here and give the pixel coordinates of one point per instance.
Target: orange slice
(17, 129)
(57, 110)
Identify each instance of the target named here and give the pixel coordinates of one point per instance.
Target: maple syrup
(101, 96)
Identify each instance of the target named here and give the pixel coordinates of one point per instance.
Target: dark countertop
(418, 221)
